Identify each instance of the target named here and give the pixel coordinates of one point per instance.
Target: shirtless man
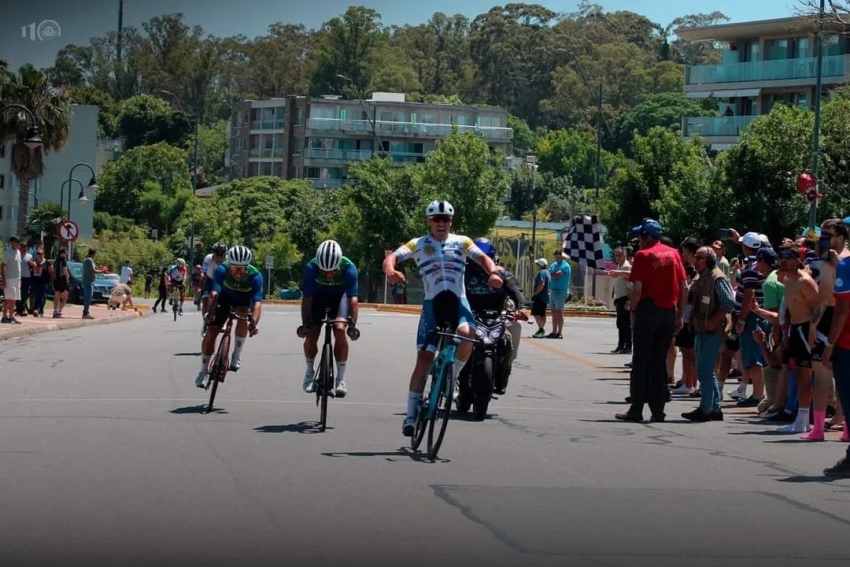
(833, 237)
(802, 300)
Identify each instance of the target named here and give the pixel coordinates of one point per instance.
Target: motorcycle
(488, 370)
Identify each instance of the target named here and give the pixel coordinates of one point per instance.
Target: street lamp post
(197, 121)
(813, 205)
(82, 197)
(32, 139)
(371, 120)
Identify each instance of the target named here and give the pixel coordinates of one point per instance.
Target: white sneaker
(308, 384)
(682, 390)
(341, 389)
(738, 394)
(202, 376)
(236, 365)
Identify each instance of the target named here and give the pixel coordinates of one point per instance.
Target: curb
(69, 325)
(415, 309)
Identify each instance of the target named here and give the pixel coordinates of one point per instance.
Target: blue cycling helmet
(486, 246)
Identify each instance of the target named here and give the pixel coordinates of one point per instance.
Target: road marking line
(572, 357)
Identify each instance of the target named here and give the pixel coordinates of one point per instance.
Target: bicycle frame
(444, 356)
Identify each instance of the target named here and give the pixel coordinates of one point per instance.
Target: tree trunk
(23, 207)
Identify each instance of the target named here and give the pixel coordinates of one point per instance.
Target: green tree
(52, 110)
(212, 146)
(570, 153)
(463, 170)
(285, 255)
(146, 119)
(665, 109)
(46, 217)
(123, 181)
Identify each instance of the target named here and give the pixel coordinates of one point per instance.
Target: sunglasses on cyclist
(441, 218)
(789, 255)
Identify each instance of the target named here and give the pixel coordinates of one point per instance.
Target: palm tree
(52, 110)
(47, 217)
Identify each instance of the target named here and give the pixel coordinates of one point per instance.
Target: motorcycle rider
(482, 297)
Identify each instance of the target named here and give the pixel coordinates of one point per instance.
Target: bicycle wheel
(325, 384)
(421, 424)
(442, 412)
(175, 300)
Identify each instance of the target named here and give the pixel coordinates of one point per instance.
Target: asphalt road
(106, 460)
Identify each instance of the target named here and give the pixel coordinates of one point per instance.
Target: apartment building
(319, 138)
(765, 62)
(83, 146)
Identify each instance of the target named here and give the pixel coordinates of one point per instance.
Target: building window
(15, 213)
(2, 150)
(2, 181)
(1, 213)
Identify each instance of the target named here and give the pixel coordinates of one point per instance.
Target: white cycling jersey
(209, 266)
(441, 263)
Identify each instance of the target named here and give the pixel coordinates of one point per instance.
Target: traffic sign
(269, 262)
(68, 231)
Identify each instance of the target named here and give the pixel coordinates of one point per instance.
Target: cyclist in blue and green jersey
(237, 285)
(330, 282)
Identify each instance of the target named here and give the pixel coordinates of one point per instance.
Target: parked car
(290, 294)
(75, 286)
(103, 286)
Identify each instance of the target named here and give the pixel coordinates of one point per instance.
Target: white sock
(205, 362)
(803, 416)
(412, 403)
(340, 372)
(237, 348)
(311, 365)
(458, 366)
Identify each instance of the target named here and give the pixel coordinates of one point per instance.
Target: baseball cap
(650, 227)
(717, 245)
(767, 255)
(542, 262)
(751, 240)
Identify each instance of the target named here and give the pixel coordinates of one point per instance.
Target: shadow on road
(801, 479)
(187, 354)
(202, 409)
(403, 453)
(307, 427)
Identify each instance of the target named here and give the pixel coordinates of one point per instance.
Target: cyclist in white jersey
(441, 257)
(211, 262)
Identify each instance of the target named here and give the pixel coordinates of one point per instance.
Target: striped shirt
(749, 278)
(725, 295)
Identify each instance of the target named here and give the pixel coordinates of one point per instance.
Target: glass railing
(407, 128)
(327, 183)
(267, 124)
(776, 70)
(335, 154)
(717, 125)
(266, 152)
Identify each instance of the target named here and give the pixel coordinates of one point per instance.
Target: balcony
(266, 153)
(713, 126)
(267, 124)
(776, 70)
(326, 183)
(337, 155)
(397, 129)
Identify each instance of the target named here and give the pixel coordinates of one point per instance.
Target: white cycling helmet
(239, 256)
(435, 208)
(181, 263)
(329, 255)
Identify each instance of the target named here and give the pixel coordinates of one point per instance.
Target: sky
(26, 25)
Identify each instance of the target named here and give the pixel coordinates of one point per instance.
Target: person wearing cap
(749, 292)
(540, 297)
(659, 297)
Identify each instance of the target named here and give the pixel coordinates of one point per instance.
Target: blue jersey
(345, 281)
(247, 290)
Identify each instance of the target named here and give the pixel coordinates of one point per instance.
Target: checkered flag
(583, 244)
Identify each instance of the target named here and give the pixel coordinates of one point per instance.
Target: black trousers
(624, 323)
(654, 330)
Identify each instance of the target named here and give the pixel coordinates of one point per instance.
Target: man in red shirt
(658, 299)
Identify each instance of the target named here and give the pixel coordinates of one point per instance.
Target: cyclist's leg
(341, 342)
(465, 328)
(311, 341)
(424, 358)
(208, 342)
(182, 295)
(241, 335)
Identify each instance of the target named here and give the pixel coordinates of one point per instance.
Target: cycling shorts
(428, 322)
(337, 304)
(224, 305)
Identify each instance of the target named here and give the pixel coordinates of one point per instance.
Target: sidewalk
(71, 319)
